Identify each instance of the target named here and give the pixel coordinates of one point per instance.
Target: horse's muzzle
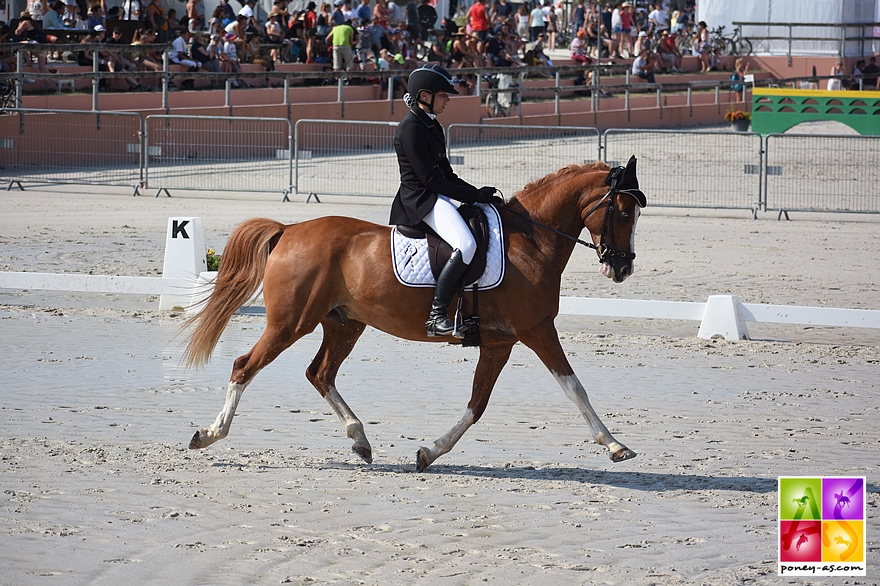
(616, 270)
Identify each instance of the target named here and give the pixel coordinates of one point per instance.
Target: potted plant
(739, 119)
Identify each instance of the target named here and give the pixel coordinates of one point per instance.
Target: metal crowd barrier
(783, 172)
(345, 158)
(509, 157)
(218, 154)
(827, 173)
(72, 146)
(683, 169)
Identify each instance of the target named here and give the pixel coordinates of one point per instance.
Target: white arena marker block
(185, 258)
(722, 318)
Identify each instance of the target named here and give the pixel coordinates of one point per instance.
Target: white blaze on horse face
(575, 391)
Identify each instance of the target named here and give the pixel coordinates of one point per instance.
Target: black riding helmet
(430, 78)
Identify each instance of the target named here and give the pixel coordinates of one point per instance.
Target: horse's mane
(564, 173)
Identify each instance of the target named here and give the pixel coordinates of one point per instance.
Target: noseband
(605, 249)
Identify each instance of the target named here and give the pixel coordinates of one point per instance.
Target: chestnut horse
(337, 272)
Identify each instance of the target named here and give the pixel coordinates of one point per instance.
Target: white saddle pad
(413, 268)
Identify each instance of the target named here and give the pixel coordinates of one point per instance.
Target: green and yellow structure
(776, 110)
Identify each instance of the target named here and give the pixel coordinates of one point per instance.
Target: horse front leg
(544, 341)
(339, 340)
(492, 359)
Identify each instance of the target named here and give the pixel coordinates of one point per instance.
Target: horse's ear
(630, 183)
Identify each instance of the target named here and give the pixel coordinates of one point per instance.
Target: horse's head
(612, 221)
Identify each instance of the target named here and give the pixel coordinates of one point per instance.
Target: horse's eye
(624, 215)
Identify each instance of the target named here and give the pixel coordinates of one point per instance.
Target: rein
(604, 251)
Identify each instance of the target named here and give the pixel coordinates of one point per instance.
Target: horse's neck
(557, 210)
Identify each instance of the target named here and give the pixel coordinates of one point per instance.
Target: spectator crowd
(371, 35)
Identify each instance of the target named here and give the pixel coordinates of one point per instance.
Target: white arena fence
(185, 282)
(688, 169)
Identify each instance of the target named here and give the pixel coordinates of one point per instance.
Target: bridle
(605, 249)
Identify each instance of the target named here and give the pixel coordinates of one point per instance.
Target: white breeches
(445, 220)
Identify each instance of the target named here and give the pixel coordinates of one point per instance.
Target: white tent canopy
(782, 12)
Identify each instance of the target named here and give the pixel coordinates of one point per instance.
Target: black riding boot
(438, 323)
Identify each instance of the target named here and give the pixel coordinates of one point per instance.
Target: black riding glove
(487, 195)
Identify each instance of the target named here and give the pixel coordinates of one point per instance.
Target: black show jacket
(424, 170)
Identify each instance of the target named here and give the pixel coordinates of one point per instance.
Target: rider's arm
(437, 177)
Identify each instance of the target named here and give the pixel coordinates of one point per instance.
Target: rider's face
(440, 101)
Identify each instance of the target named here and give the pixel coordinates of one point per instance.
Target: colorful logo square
(800, 498)
(843, 498)
(822, 526)
(800, 541)
(842, 541)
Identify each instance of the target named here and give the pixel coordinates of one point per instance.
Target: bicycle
(8, 98)
(500, 103)
(731, 44)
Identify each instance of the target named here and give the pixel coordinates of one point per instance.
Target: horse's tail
(241, 272)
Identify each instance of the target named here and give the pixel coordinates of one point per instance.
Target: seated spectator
(146, 60)
(594, 30)
(642, 66)
(96, 17)
(111, 60)
(253, 53)
(387, 62)
(496, 52)
(668, 54)
(201, 54)
(437, 52)
(576, 48)
(230, 53)
(27, 30)
(54, 19)
(180, 56)
(239, 29)
(116, 39)
(642, 42)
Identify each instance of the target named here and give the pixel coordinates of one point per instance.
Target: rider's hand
(486, 194)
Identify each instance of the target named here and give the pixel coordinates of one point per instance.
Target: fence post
(96, 80)
(165, 80)
(558, 89)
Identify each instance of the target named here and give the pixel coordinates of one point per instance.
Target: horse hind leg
(272, 343)
(340, 336)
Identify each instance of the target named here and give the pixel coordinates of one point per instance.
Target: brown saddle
(439, 251)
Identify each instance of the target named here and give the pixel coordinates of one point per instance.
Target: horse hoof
(196, 442)
(365, 454)
(622, 454)
(422, 460)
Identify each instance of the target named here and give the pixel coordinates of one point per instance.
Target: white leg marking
(220, 428)
(575, 391)
(450, 438)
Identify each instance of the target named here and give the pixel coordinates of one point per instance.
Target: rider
(428, 183)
